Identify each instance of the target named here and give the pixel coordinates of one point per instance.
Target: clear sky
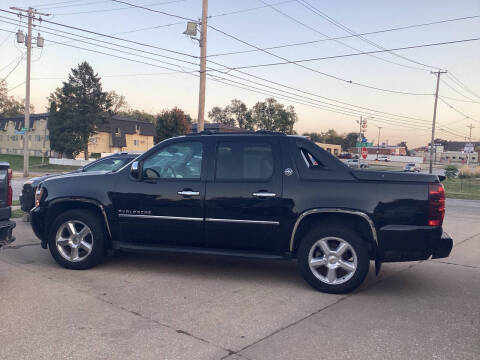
(152, 88)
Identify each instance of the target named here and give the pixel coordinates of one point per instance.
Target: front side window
(176, 161)
(244, 161)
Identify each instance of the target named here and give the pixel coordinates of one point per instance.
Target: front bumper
(412, 243)
(37, 220)
(6, 232)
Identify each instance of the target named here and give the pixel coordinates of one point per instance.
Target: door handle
(264, 194)
(188, 193)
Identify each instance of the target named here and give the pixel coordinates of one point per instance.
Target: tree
(221, 116)
(239, 113)
(9, 105)
(171, 123)
(273, 116)
(138, 115)
(350, 140)
(119, 103)
(77, 109)
(314, 136)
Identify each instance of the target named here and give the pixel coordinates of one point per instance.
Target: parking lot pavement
(194, 307)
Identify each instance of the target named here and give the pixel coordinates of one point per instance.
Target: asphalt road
(193, 307)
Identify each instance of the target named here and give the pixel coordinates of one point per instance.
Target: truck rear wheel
(76, 239)
(333, 259)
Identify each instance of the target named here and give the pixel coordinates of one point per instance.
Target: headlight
(39, 194)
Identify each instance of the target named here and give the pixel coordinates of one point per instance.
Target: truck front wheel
(333, 259)
(76, 239)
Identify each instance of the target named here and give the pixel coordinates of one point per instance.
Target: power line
(345, 37)
(458, 111)
(359, 53)
(110, 43)
(111, 36)
(456, 99)
(115, 9)
(153, 10)
(462, 85)
(455, 90)
(332, 105)
(298, 63)
(315, 10)
(337, 41)
(14, 68)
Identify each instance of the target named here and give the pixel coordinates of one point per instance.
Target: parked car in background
(356, 163)
(261, 195)
(411, 167)
(107, 163)
(385, 158)
(345, 156)
(6, 225)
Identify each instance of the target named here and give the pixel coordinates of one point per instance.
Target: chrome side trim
(264, 194)
(160, 217)
(243, 221)
(340, 211)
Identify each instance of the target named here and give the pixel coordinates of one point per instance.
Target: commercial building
(117, 134)
(333, 149)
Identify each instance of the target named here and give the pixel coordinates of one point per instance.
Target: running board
(147, 248)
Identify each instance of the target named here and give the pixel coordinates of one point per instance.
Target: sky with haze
(152, 88)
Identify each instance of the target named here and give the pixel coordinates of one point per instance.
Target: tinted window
(244, 161)
(310, 160)
(177, 161)
(108, 165)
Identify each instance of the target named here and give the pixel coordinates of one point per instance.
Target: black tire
(326, 230)
(97, 238)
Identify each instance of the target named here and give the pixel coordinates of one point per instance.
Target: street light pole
(378, 143)
(203, 68)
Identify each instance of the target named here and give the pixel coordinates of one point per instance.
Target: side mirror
(136, 170)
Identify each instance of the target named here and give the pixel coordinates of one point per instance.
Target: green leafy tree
(119, 102)
(171, 123)
(77, 109)
(221, 116)
(138, 115)
(9, 105)
(350, 140)
(273, 116)
(451, 171)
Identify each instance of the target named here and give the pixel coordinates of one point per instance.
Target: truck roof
(240, 133)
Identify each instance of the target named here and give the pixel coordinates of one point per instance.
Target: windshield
(110, 164)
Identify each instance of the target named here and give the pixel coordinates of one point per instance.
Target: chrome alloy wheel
(332, 260)
(74, 240)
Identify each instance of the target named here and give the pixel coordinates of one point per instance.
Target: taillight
(436, 204)
(9, 191)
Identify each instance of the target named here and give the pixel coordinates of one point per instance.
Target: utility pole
(432, 145)
(28, 42)
(469, 140)
(203, 67)
(378, 143)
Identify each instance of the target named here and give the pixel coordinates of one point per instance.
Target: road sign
(24, 129)
(367, 144)
(364, 153)
(469, 148)
(19, 132)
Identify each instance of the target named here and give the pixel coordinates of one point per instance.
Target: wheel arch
(356, 219)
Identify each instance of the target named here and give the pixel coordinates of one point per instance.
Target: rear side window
(310, 160)
(244, 161)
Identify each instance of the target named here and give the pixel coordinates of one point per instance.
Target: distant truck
(6, 193)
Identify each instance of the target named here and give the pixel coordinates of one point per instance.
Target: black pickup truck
(260, 195)
(6, 225)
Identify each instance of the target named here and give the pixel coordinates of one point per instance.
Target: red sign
(364, 153)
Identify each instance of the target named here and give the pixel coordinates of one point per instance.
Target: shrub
(451, 171)
(465, 172)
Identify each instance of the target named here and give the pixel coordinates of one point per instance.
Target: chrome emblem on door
(288, 171)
